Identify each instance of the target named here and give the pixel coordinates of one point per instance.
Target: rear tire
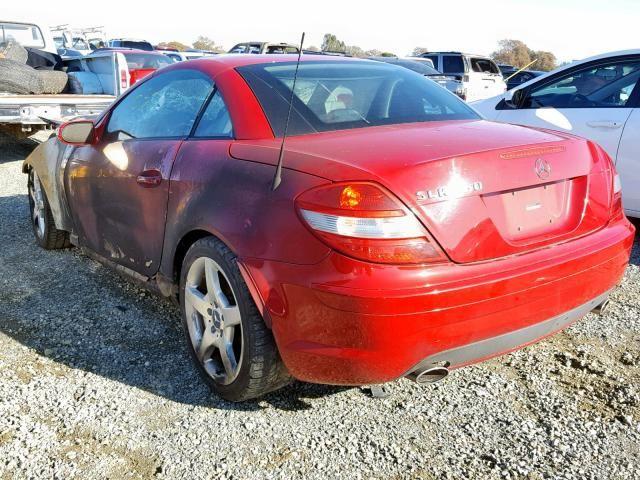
(53, 81)
(227, 338)
(44, 227)
(19, 78)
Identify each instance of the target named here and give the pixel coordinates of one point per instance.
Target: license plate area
(536, 213)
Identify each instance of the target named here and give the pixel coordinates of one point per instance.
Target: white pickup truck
(23, 115)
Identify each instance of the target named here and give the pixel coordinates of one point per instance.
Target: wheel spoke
(213, 283)
(198, 301)
(231, 316)
(207, 344)
(228, 357)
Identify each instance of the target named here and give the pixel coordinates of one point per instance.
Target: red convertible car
(408, 236)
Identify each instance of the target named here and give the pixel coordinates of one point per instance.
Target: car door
(487, 79)
(118, 188)
(591, 100)
(628, 163)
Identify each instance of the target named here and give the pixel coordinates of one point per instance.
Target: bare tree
(419, 51)
(205, 43)
(174, 44)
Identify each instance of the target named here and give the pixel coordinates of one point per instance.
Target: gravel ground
(95, 382)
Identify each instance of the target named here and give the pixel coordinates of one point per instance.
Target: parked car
(426, 61)
(422, 67)
(407, 236)
(129, 43)
(263, 47)
(140, 62)
(597, 98)
(507, 70)
(480, 76)
(517, 79)
(185, 55)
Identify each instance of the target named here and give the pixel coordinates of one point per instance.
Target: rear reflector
(617, 184)
(365, 221)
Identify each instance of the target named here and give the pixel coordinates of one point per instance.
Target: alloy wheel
(213, 320)
(37, 198)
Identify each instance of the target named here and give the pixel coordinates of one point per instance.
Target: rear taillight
(616, 199)
(365, 221)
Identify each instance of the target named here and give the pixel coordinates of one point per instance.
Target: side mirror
(78, 132)
(514, 98)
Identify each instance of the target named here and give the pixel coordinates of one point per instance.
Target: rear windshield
(452, 64)
(22, 33)
(338, 95)
(137, 61)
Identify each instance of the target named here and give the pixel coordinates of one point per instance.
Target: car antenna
(277, 178)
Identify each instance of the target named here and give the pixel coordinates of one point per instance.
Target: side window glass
(164, 106)
(215, 121)
(434, 59)
(602, 86)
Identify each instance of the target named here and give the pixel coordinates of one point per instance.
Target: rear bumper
(343, 321)
(490, 347)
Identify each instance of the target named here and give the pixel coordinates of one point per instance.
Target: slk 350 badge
(449, 191)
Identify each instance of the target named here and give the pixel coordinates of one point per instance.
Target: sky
(571, 29)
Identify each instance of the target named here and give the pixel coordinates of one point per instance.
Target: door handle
(149, 178)
(605, 124)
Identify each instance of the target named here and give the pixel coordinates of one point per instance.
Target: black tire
(49, 237)
(18, 78)
(53, 81)
(14, 51)
(261, 369)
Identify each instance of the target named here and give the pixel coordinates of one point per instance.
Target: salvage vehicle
(185, 55)
(451, 83)
(480, 76)
(140, 62)
(395, 233)
(263, 47)
(597, 98)
(25, 108)
(132, 43)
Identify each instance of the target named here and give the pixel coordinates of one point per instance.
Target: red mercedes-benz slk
(408, 236)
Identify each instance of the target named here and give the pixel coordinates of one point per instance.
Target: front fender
(48, 160)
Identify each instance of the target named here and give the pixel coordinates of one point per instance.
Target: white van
(480, 76)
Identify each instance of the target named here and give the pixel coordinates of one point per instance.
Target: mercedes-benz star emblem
(542, 168)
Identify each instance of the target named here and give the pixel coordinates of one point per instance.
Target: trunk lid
(483, 190)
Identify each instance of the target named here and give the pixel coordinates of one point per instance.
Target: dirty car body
(407, 235)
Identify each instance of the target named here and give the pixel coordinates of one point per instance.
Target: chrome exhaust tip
(429, 375)
(602, 308)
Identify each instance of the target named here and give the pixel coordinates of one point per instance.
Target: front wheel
(44, 227)
(228, 340)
